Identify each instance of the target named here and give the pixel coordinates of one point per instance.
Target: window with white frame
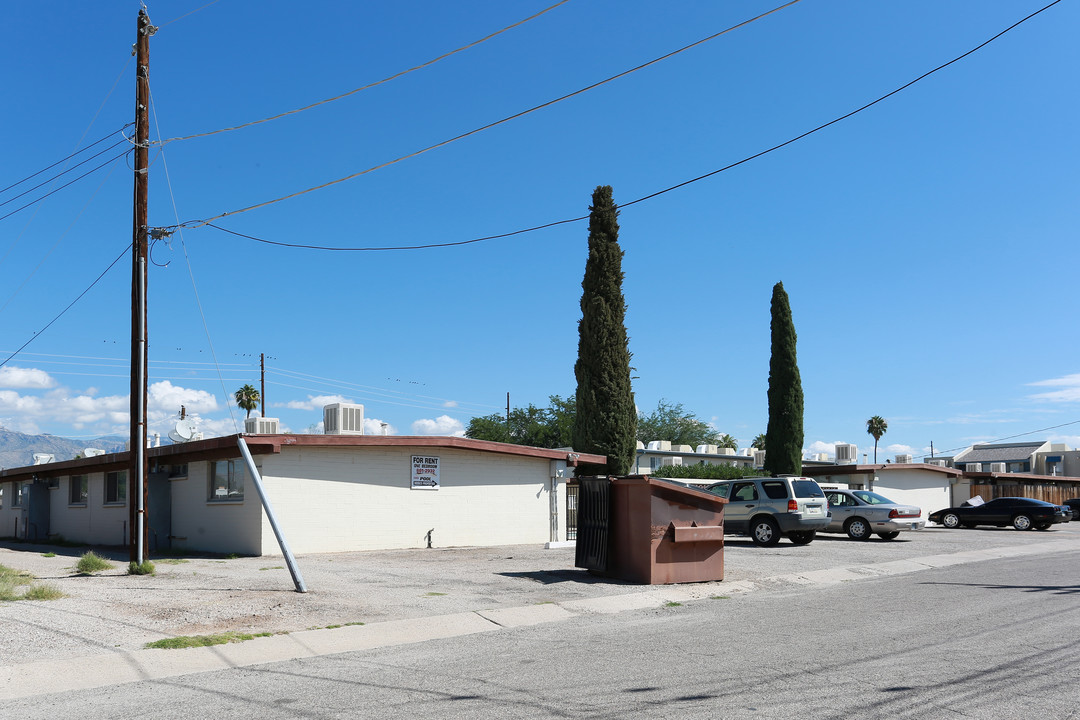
(78, 486)
(226, 480)
(17, 494)
(116, 487)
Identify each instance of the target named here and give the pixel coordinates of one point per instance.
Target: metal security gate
(571, 511)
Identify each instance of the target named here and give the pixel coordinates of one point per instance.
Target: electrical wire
(650, 196)
(207, 221)
(370, 85)
(62, 312)
(186, 14)
(1010, 437)
(191, 272)
(69, 157)
(67, 184)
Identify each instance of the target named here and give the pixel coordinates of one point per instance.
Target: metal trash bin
(654, 532)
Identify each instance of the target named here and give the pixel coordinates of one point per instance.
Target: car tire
(1022, 522)
(764, 532)
(803, 538)
(857, 529)
(1042, 526)
(950, 520)
(889, 535)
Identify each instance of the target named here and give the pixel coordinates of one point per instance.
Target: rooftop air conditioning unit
(759, 458)
(904, 459)
(706, 449)
(261, 426)
(939, 463)
(42, 458)
(846, 453)
(343, 419)
(997, 467)
(972, 467)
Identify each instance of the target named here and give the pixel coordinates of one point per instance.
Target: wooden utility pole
(262, 384)
(138, 466)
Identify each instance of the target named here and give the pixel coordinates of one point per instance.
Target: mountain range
(17, 449)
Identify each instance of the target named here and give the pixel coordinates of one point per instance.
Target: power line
(71, 182)
(62, 312)
(64, 160)
(207, 221)
(623, 205)
(370, 85)
(1010, 437)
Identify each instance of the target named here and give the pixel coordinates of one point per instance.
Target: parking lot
(113, 611)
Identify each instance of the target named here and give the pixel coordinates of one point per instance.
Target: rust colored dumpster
(656, 532)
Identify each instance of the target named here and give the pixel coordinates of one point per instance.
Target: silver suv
(768, 508)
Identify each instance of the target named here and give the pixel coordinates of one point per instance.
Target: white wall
(927, 489)
(343, 499)
(94, 523)
(199, 523)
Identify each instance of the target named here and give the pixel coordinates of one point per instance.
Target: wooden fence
(1051, 491)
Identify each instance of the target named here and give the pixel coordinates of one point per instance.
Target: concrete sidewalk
(61, 674)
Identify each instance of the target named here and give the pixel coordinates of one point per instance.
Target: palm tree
(876, 426)
(759, 442)
(726, 441)
(247, 398)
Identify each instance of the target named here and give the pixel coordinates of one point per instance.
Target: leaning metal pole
(294, 570)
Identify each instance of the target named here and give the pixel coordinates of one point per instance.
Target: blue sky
(926, 243)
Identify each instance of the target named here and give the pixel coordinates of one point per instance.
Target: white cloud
(24, 378)
(442, 425)
(829, 448)
(168, 397)
(450, 404)
(1069, 389)
(313, 402)
(374, 426)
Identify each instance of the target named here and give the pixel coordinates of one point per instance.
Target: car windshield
(806, 489)
(872, 498)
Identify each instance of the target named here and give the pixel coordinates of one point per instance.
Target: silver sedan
(861, 513)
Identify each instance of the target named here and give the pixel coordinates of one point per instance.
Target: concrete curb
(53, 676)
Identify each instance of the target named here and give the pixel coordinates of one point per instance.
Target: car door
(742, 501)
(841, 506)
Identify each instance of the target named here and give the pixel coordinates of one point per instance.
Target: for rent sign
(425, 472)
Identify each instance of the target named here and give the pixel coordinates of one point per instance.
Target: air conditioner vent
(343, 419)
(997, 467)
(261, 426)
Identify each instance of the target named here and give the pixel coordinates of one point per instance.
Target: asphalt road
(989, 639)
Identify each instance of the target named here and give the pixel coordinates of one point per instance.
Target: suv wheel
(765, 532)
(804, 537)
(857, 529)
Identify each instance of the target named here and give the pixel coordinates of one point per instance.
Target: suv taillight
(793, 506)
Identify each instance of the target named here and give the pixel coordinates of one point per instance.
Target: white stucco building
(330, 493)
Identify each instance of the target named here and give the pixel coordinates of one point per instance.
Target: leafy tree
(606, 420)
(759, 442)
(726, 441)
(671, 421)
(247, 398)
(784, 436)
(705, 472)
(877, 427)
(548, 427)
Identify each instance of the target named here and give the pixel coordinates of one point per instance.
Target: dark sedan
(1021, 513)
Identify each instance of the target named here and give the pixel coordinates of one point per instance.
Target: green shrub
(146, 568)
(42, 591)
(706, 472)
(91, 563)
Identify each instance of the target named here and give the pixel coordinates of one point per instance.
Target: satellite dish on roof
(92, 452)
(183, 431)
(42, 458)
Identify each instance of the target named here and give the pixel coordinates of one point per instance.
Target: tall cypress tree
(784, 436)
(606, 418)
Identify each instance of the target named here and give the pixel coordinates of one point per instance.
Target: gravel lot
(199, 595)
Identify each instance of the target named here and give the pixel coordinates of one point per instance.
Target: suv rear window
(806, 489)
(775, 489)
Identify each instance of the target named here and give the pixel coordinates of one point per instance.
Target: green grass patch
(48, 554)
(172, 561)
(42, 591)
(190, 641)
(91, 563)
(434, 594)
(276, 567)
(672, 603)
(720, 597)
(144, 568)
